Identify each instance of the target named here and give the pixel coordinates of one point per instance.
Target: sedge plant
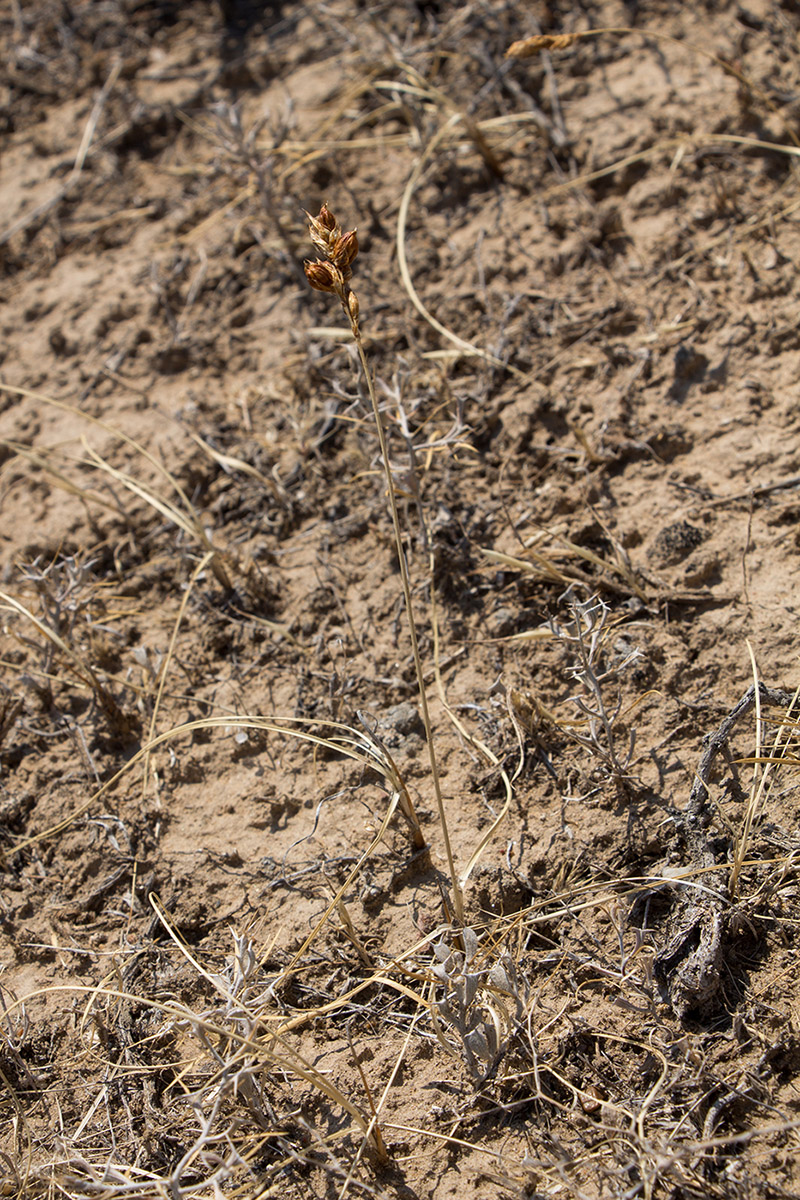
(331, 273)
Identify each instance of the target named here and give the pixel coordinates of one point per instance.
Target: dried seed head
(321, 239)
(323, 277)
(339, 249)
(541, 41)
(345, 250)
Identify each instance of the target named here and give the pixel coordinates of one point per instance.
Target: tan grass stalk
(189, 520)
(374, 1129)
(332, 274)
(350, 931)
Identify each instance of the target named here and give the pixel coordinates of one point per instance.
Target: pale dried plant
(332, 274)
(242, 146)
(598, 655)
(478, 1007)
(65, 591)
(587, 637)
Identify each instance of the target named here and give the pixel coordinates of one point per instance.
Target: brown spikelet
(323, 230)
(339, 250)
(345, 249)
(332, 274)
(541, 41)
(353, 308)
(326, 218)
(323, 276)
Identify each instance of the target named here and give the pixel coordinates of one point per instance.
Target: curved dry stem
(351, 743)
(402, 261)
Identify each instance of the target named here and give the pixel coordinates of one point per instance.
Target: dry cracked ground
(246, 949)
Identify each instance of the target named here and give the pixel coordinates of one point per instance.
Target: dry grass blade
(165, 665)
(253, 1050)
(182, 515)
(443, 101)
(186, 519)
(44, 461)
(68, 186)
(536, 562)
(352, 875)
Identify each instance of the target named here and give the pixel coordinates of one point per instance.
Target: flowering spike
(331, 273)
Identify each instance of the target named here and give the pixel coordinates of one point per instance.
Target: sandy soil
(230, 963)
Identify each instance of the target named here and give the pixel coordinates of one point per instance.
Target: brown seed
(323, 234)
(326, 218)
(592, 1098)
(345, 250)
(353, 307)
(322, 276)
